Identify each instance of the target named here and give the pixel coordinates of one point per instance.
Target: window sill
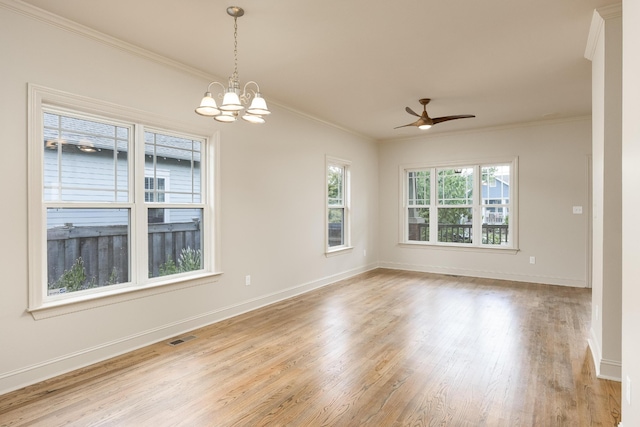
(454, 247)
(338, 250)
(87, 302)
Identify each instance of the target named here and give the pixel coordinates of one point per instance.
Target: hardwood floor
(386, 348)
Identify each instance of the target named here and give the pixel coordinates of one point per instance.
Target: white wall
(605, 51)
(272, 202)
(553, 177)
(630, 209)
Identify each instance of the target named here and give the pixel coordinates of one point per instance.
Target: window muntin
(337, 190)
(100, 148)
(91, 241)
(458, 206)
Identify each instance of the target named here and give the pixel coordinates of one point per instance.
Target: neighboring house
(496, 192)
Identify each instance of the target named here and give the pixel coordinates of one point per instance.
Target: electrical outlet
(532, 260)
(364, 253)
(247, 280)
(577, 210)
(628, 390)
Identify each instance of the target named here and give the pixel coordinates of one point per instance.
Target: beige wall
(553, 177)
(630, 209)
(272, 203)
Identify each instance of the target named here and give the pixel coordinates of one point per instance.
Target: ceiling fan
(425, 122)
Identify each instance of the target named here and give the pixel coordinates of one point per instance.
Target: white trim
(22, 377)
(487, 274)
(606, 369)
(600, 15)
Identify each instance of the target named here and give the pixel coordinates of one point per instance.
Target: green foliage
(334, 185)
(114, 277)
(167, 268)
(189, 260)
(74, 279)
(453, 215)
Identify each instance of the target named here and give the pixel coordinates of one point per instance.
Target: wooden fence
(105, 249)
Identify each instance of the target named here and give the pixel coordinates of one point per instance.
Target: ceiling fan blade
(410, 111)
(437, 120)
(404, 126)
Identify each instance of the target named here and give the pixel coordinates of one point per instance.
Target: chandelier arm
(246, 96)
(214, 83)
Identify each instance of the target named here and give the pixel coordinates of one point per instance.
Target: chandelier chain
(235, 49)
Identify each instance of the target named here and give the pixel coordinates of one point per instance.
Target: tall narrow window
(455, 205)
(419, 204)
(337, 204)
(496, 201)
(180, 206)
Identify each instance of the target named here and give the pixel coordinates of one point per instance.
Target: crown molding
(41, 15)
(600, 15)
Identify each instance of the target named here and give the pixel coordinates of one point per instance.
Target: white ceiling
(359, 63)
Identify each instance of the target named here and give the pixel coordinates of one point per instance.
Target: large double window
(462, 205)
(103, 217)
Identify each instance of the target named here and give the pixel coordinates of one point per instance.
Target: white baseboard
(606, 369)
(487, 274)
(13, 380)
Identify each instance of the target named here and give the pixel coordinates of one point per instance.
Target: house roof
(358, 64)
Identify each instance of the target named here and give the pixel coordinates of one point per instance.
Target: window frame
(476, 205)
(345, 165)
(39, 303)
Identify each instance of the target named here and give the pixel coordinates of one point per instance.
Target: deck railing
(492, 234)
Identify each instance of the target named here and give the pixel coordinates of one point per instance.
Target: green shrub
(189, 260)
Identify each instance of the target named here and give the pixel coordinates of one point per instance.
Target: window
(337, 227)
(155, 191)
(460, 205)
(104, 226)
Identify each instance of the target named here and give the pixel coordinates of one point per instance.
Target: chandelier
(233, 100)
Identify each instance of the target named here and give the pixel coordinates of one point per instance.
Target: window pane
(175, 244)
(418, 221)
(495, 184)
(86, 248)
(455, 186)
(455, 225)
(335, 183)
(336, 227)
(495, 225)
(419, 186)
(84, 160)
(177, 161)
